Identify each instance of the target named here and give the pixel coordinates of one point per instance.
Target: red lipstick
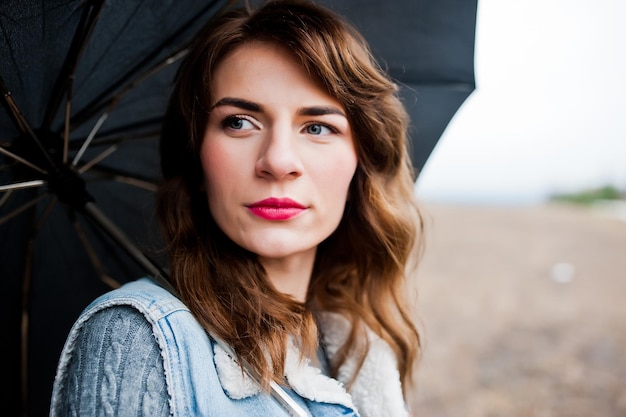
(276, 208)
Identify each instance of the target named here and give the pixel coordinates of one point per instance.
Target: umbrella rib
(117, 140)
(26, 297)
(126, 178)
(22, 208)
(452, 85)
(22, 185)
(93, 256)
(90, 137)
(120, 134)
(14, 109)
(108, 151)
(150, 266)
(5, 197)
(46, 212)
(21, 121)
(88, 21)
(110, 103)
(25, 319)
(172, 59)
(22, 160)
(139, 183)
(68, 113)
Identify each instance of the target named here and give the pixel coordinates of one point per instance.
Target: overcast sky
(549, 111)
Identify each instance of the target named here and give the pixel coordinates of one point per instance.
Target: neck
(290, 276)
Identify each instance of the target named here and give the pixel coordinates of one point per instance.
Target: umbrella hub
(69, 187)
(62, 179)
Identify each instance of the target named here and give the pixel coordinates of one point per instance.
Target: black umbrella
(122, 55)
(85, 84)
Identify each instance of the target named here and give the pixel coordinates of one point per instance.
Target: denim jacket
(202, 379)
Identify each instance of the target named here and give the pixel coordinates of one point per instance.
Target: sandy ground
(523, 313)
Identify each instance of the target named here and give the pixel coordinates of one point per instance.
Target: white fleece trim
(236, 383)
(309, 382)
(305, 379)
(377, 390)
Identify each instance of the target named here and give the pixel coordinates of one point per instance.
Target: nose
(280, 156)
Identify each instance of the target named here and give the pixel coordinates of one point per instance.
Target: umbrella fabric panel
(33, 45)
(428, 48)
(430, 108)
(418, 41)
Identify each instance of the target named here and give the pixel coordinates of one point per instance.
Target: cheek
(219, 155)
(338, 176)
(217, 167)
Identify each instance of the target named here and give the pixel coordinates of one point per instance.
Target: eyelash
(326, 125)
(236, 117)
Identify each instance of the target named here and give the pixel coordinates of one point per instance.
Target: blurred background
(522, 282)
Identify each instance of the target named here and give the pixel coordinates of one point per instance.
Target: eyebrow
(252, 106)
(237, 102)
(320, 111)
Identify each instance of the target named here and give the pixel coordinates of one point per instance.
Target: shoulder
(125, 319)
(115, 321)
(121, 329)
(142, 294)
(172, 324)
(120, 339)
(137, 301)
(113, 363)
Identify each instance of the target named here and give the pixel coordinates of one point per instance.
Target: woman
(289, 218)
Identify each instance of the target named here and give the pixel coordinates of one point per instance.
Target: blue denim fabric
(188, 362)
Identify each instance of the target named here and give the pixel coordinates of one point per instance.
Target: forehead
(261, 68)
(256, 57)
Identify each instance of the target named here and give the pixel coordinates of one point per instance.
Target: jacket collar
(376, 391)
(305, 379)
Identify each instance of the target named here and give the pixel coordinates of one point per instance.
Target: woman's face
(278, 155)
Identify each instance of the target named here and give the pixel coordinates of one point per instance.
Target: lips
(276, 208)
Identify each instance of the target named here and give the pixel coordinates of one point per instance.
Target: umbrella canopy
(428, 47)
(85, 84)
(76, 72)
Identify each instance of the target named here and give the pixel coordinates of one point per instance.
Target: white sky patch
(549, 111)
